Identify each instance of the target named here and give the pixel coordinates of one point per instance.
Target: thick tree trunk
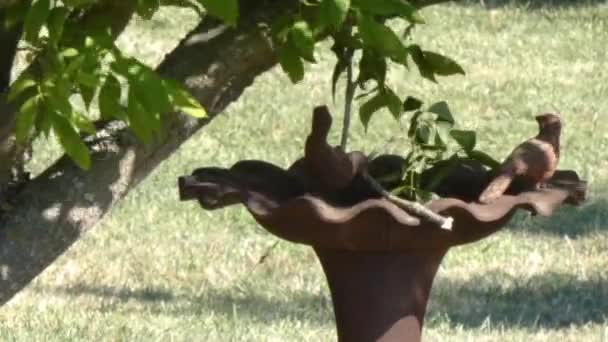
(8, 41)
(215, 63)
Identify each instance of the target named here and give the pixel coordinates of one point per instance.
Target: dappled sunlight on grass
(158, 269)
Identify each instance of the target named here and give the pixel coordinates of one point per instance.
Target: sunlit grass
(158, 269)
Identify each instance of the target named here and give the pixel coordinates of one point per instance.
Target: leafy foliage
(74, 63)
(359, 30)
(71, 62)
(433, 137)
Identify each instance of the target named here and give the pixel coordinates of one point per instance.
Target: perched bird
(534, 161)
(331, 167)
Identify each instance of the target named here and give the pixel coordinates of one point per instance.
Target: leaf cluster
(78, 74)
(433, 137)
(362, 35)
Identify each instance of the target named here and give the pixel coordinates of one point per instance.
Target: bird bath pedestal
(379, 261)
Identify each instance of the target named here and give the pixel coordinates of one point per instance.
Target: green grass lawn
(159, 270)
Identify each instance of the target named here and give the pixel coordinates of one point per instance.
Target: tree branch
(215, 63)
(8, 40)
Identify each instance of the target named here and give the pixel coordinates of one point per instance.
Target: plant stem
(348, 100)
(411, 207)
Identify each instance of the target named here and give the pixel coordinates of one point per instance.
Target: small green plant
(433, 137)
(362, 36)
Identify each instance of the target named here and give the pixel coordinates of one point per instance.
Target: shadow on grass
(575, 222)
(295, 306)
(545, 301)
(532, 4)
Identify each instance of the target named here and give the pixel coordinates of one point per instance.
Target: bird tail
(496, 188)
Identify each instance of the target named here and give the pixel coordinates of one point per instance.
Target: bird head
(321, 122)
(549, 122)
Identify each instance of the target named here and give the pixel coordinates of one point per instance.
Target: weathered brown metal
(379, 261)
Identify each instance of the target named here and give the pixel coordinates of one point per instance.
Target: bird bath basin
(379, 261)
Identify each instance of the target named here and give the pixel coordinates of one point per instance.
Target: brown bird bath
(379, 261)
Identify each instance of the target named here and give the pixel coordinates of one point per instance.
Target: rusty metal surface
(311, 203)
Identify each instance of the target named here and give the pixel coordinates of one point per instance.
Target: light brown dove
(534, 160)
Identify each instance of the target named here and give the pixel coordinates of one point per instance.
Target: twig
(348, 100)
(411, 207)
(267, 253)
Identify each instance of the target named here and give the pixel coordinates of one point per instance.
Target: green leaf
(109, 99)
(443, 132)
(442, 65)
(384, 7)
(57, 98)
(291, 63)
(83, 123)
(150, 90)
(87, 79)
(370, 107)
(280, 27)
(74, 66)
(227, 10)
(372, 67)
(443, 111)
(389, 8)
(339, 68)
(303, 40)
(444, 169)
(483, 158)
(35, 18)
(87, 93)
(411, 103)
(56, 22)
(393, 103)
(24, 82)
(139, 121)
(466, 139)
(333, 12)
(69, 53)
(26, 118)
(424, 67)
(183, 100)
(71, 142)
(382, 39)
(44, 122)
(78, 3)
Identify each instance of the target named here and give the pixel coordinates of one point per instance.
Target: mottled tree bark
(216, 64)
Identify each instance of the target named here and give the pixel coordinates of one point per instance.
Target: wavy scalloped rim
(378, 225)
(369, 225)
